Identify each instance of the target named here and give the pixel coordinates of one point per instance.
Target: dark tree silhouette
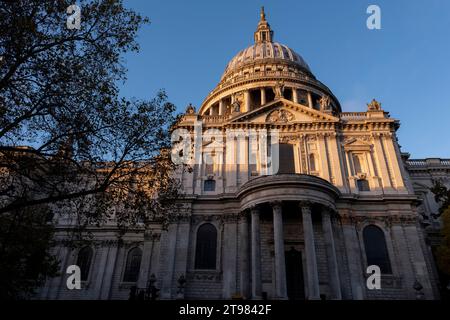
(442, 252)
(67, 139)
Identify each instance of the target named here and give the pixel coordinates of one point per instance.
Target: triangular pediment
(283, 111)
(357, 144)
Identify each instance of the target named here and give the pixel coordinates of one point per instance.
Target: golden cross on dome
(263, 14)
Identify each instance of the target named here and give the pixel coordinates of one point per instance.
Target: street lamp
(152, 291)
(181, 285)
(418, 287)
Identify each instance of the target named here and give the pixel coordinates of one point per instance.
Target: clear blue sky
(405, 65)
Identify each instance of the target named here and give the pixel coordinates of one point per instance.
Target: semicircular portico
(288, 187)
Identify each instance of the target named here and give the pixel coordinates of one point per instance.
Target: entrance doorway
(294, 275)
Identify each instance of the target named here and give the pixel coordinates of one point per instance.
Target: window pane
(376, 249)
(205, 253)
(363, 185)
(312, 162)
(84, 262)
(133, 265)
(286, 159)
(357, 164)
(209, 185)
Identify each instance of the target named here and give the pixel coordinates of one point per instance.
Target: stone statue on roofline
(374, 106)
(190, 109)
(279, 89)
(236, 106)
(325, 103)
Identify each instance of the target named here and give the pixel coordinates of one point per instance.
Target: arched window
(376, 249)
(206, 247)
(357, 164)
(133, 265)
(312, 162)
(84, 260)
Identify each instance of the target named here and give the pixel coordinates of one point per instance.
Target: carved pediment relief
(280, 115)
(284, 111)
(358, 144)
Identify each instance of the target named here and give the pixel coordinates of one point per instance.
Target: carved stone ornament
(279, 89)
(280, 116)
(190, 109)
(374, 106)
(325, 102)
(236, 106)
(356, 139)
(289, 139)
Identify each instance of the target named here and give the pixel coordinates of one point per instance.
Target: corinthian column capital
(276, 205)
(305, 207)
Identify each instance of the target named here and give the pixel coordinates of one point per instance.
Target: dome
(264, 72)
(265, 50)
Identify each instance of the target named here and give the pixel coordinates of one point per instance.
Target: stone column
(324, 169)
(394, 160)
(167, 269)
(263, 96)
(353, 252)
(99, 271)
(229, 257)
(310, 102)
(155, 257)
(57, 283)
(331, 255)
(382, 165)
(221, 108)
(146, 256)
(310, 252)
(415, 248)
(243, 160)
(243, 256)
(182, 248)
(337, 163)
(246, 101)
(256, 255)
(109, 270)
(295, 95)
(280, 263)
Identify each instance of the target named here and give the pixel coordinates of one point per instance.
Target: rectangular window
(209, 185)
(286, 159)
(357, 164)
(363, 185)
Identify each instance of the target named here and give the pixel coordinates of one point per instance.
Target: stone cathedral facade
(343, 198)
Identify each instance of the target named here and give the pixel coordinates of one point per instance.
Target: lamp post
(418, 287)
(152, 291)
(181, 286)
